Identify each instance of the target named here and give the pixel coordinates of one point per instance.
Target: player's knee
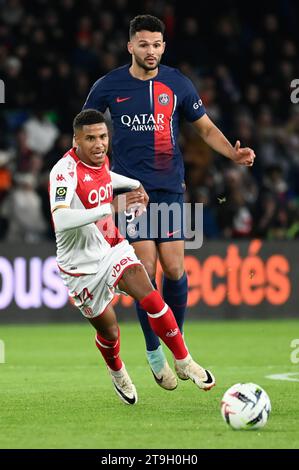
(174, 271)
(110, 333)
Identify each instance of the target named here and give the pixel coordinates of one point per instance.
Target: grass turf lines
(55, 391)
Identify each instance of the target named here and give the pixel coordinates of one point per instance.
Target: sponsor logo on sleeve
(198, 104)
(60, 193)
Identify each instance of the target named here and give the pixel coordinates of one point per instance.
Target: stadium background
(55, 392)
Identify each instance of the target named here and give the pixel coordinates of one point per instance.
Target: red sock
(110, 351)
(164, 323)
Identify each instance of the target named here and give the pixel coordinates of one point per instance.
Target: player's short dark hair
(87, 117)
(146, 23)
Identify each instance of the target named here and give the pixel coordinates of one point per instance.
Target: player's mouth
(98, 155)
(151, 60)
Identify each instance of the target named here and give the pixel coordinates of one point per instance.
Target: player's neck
(142, 74)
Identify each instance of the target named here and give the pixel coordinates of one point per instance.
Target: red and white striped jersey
(77, 185)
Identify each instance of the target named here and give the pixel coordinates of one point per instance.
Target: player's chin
(151, 65)
(97, 160)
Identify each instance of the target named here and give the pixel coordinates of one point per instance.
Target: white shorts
(91, 293)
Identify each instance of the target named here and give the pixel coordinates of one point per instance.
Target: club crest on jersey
(163, 99)
(60, 193)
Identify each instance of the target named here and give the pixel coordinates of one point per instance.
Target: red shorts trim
(121, 274)
(71, 274)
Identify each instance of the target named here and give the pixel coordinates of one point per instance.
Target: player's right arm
(63, 184)
(66, 218)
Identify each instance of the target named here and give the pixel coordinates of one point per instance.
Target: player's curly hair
(87, 117)
(146, 23)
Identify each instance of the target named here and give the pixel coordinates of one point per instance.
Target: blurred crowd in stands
(242, 61)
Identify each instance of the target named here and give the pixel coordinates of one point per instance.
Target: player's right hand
(124, 201)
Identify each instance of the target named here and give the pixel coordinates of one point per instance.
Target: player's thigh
(106, 324)
(171, 256)
(135, 282)
(146, 252)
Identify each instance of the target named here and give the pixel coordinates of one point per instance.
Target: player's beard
(141, 63)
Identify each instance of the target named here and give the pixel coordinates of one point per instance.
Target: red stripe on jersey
(163, 110)
(109, 231)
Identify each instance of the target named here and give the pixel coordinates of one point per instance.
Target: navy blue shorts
(163, 220)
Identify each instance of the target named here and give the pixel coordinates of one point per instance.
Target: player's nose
(99, 144)
(150, 50)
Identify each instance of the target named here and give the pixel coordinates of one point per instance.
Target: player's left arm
(195, 112)
(218, 142)
(137, 190)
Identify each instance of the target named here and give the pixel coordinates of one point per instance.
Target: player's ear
(164, 45)
(130, 47)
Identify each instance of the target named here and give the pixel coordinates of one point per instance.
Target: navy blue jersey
(145, 116)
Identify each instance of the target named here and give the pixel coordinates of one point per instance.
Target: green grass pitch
(55, 391)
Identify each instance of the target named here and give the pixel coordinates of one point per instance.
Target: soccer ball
(245, 406)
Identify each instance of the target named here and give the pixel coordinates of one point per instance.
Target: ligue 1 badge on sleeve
(60, 193)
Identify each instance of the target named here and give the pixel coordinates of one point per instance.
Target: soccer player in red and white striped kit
(96, 262)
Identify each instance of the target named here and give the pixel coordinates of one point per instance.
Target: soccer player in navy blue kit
(145, 100)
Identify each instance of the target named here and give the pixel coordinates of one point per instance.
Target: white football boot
(123, 385)
(166, 378)
(161, 370)
(189, 369)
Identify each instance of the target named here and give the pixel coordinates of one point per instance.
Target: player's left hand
(136, 210)
(243, 156)
(144, 193)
